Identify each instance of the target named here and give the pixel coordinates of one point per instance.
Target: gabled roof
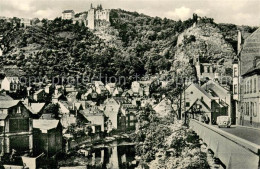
(5, 97)
(98, 83)
(37, 107)
(111, 85)
(213, 85)
(43, 124)
(13, 79)
(3, 116)
(121, 100)
(8, 104)
(39, 91)
(200, 89)
(90, 111)
(204, 108)
(252, 71)
(68, 11)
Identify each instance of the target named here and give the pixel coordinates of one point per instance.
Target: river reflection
(109, 156)
(114, 157)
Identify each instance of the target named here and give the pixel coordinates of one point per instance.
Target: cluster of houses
(210, 99)
(49, 118)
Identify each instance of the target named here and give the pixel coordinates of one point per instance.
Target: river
(110, 156)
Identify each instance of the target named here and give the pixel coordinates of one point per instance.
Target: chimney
(239, 41)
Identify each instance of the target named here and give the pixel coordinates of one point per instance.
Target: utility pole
(180, 103)
(185, 113)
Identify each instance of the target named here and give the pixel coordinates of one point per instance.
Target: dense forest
(59, 48)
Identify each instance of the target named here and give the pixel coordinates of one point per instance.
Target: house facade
(164, 107)
(68, 14)
(47, 137)
(95, 116)
(141, 88)
(250, 102)
(247, 106)
(16, 127)
(39, 95)
(197, 100)
(11, 84)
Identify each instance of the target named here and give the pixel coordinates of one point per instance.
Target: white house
(68, 14)
(11, 84)
(110, 87)
(164, 107)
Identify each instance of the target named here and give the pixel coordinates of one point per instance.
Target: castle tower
(91, 18)
(97, 16)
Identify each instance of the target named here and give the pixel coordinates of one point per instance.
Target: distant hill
(133, 44)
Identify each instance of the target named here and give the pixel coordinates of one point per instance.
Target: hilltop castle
(96, 16)
(93, 18)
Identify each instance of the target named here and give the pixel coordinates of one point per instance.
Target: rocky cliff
(206, 41)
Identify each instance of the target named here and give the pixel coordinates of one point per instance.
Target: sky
(240, 12)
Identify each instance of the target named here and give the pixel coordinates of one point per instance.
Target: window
(19, 143)
(245, 88)
(248, 86)
(235, 89)
(19, 110)
(132, 124)
(132, 117)
(235, 72)
(255, 110)
(251, 108)
(187, 104)
(191, 92)
(18, 125)
(251, 86)
(247, 109)
(255, 85)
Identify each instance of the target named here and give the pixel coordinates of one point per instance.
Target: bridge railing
(234, 152)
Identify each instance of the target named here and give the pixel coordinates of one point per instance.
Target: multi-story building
(68, 14)
(15, 128)
(25, 22)
(210, 100)
(248, 69)
(250, 102)
(47, 137)
(205, 70)
(11, 84)
(236, 78)
(96, 15)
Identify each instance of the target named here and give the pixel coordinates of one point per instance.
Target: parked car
(224, 121)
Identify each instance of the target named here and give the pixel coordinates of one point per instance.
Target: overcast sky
(241, 12)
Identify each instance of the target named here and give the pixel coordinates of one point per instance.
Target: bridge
(233, 149)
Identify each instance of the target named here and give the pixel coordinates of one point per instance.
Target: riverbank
(167, 143)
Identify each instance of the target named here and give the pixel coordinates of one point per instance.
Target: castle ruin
(95, 17)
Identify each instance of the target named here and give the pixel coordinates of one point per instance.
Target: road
(250, 134)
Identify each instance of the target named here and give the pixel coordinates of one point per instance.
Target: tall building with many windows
(247, 85)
